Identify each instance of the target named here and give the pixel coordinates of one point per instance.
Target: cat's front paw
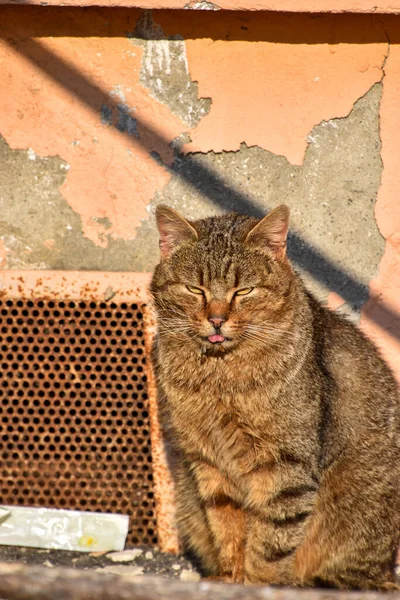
(226, 578)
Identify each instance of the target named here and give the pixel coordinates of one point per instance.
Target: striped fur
(287, 433)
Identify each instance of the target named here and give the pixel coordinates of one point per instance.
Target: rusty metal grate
(74, 414)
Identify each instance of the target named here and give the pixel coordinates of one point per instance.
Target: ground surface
(31, 574)
(150, 562)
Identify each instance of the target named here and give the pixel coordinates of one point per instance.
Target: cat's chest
(218, 427)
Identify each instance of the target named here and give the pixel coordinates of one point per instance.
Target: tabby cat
(284, 417)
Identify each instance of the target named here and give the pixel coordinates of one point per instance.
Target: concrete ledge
(304, 6)
(22, 582)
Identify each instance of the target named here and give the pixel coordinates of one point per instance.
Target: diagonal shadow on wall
(203, 179)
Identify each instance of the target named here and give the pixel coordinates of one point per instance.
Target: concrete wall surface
(105, 112)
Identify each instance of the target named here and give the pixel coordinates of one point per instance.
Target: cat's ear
(174, 230)
(271, 232)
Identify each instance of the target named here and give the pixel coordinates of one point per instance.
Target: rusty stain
(163, 482)
(74, 285)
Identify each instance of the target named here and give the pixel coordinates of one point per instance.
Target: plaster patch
(164, 71)
(45, 233)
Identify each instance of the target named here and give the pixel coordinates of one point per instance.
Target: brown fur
(288, 432)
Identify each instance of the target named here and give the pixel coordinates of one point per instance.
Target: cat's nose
(217, 321)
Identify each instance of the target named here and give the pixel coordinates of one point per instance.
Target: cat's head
(223, 282)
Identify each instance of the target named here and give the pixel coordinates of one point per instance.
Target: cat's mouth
(216, 338)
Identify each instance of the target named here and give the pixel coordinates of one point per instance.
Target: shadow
(288, 28)
(191, 170)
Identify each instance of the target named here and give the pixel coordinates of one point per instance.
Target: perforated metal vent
(74, 421)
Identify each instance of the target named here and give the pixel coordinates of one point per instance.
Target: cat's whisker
(269, 328)
(261, 327)
(257, 344)
(264, 334)
(173, 320)
(184, 332)
(268, 333)
(263, 340)
(171, 333)
(174, 325)
(179, 334)
(173, 330)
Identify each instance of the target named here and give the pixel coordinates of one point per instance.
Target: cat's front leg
(279, 502)
(226, 520)
(227, 524)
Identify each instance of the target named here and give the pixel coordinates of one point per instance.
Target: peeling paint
(45, 233)
(331, 197)
(165, 71)
(66, 84)
(273, 77)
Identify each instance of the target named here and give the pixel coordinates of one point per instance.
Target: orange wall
(87, 125)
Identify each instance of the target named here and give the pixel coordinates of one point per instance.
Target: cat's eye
(244, 291)
(194, 290)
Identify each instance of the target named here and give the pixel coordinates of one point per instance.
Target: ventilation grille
(74, 420)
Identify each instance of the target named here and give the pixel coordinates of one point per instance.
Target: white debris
(149, 555)
(47, 563)
(31, 154)
(176, 567)
(123, 570)
(125, 555)
(187, 575)
(63, 529)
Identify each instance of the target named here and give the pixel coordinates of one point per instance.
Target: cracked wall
(331, 197)
(106, 112)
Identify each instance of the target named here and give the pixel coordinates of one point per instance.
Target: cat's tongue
(217, 337)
